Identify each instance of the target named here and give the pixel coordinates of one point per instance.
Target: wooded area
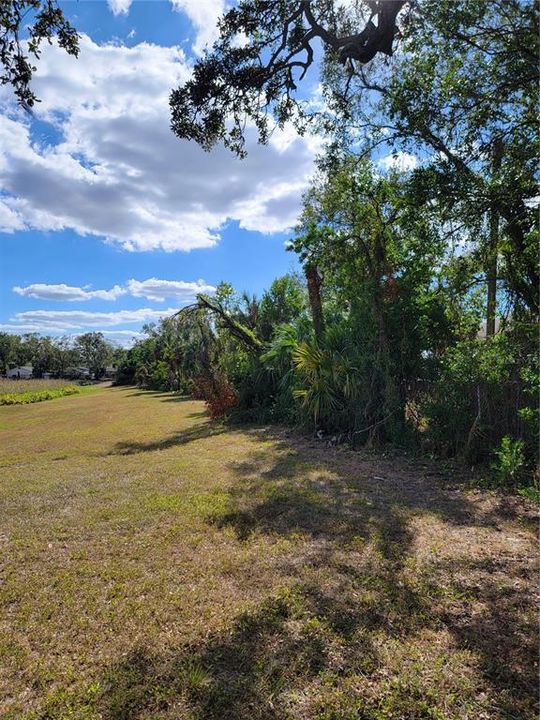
(416, 321)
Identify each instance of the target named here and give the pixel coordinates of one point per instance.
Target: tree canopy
(264, 51)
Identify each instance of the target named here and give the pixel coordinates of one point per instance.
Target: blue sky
(106, 219)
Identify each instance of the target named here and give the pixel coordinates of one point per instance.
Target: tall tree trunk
(314, 282)
(384, 408)
(493, 249)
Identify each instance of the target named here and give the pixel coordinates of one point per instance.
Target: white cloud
(204, 15)
(402, 161)
(119, 7)
(151, 289)
(67, 320)
(123, 338)
(123, 333)
(155, 289)
(21, 328)
(10, 221)
(69, 293)
(117, 171)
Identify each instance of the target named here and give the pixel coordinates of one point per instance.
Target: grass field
(155, 565)
(32, 385)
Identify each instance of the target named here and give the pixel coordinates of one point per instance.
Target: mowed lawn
(157, 565)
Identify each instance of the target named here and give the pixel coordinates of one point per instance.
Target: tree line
(58, 356)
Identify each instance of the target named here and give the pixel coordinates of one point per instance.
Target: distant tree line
(58, 356)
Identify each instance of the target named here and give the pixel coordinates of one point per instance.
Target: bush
(479, 398)
(219, 395)
(510, 462)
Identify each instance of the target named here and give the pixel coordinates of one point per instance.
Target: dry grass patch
(156, 565)
(32, 385)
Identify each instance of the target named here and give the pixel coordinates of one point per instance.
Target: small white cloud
(23, 328)
(159, 290)
(402, 161)
(151, 289)
(66, 320)
(122, 338)
(119, 7)
(69, 293)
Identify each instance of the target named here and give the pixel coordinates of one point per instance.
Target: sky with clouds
(108, 221)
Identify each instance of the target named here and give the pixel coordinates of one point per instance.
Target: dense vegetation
(416, 321)
(32, 396)
(400, 358)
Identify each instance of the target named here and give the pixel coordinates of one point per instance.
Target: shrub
(510, 462)
(219, 395)
(479, 398)
(31, 397)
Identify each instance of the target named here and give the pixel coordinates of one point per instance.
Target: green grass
(531, 493)
(158, 566)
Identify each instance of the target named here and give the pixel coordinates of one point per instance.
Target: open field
(155, 565)
(32, 385)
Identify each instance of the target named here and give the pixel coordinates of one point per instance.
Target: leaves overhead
(24, 25)
(264, 50)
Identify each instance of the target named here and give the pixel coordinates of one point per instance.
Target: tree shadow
(163, 395)
(192, 434)
(500, 624)
(350, 589)
(175, 398)
(278, 648)
(224, 677)
(340, 503)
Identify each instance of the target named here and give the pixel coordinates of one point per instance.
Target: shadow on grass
(353, 590)
(198, 432)
(280, 647)
(225, 677)
(164, 396)
(501, 625)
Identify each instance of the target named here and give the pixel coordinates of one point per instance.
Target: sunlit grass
(8, 385)
(158, 566)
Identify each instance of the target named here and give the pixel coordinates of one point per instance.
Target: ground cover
(154, 564)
